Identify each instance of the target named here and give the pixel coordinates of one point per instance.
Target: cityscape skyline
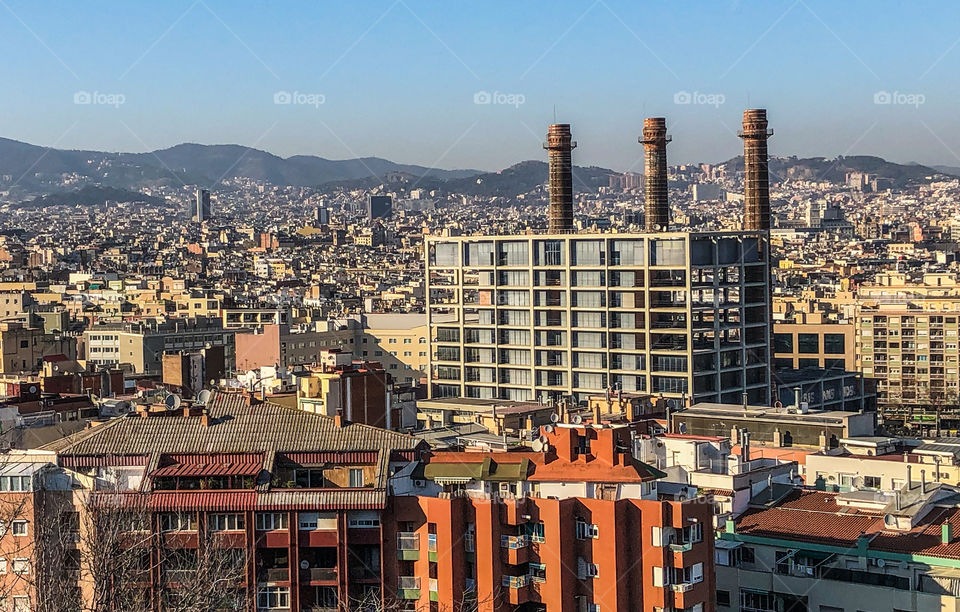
(269, 82)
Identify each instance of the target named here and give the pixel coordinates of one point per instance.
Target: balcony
(514, 542)
(276, 574)
(432, 547)
(318, 574)
(516, 549)
(408, 546)
(516, 582)
(518, 588)
(408, 587)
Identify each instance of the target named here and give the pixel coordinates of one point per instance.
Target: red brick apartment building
(322, 515)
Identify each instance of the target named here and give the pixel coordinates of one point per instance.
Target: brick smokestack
(654, 141)
(756, 191)
(559, 145)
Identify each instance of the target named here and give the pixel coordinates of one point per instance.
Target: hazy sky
(402, 79)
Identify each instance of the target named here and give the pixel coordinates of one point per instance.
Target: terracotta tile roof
(814, 517)
(242, 440)
(550, 468)
(237, 427)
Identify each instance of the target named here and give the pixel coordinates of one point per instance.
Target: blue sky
(400, 79)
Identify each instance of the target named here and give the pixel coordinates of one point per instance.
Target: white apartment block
(543, 316)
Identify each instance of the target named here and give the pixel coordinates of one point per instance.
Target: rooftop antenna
(554, 113)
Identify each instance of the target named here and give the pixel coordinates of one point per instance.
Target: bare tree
(94, 552)
(18, 523)
(208, 578)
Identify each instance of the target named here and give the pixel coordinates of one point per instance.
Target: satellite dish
(554, 418)
(33, 388)
(881, 562)
(548, 428)
(204, 397)
(683, 428)
(543, 439)
(537, 446)
(304, 564)
(577, 419)
(172, 401)
(546, 448)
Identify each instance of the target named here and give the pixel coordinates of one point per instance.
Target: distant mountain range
(835, 170)
(38, 171)
(91, 196)
(195, 164)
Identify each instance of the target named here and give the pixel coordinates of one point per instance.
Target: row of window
(833, 344)
(264, 521)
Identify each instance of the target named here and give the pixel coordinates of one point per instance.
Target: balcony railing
(682, 587)
(514, 542)
(516, 582)
(276, 574)
(406, 583)
(408, 540)
(319, 574)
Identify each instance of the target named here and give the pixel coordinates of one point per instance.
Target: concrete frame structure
(543, 316)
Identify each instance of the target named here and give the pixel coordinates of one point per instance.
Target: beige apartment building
(399, 342)
(907, 339)
(820, 345)
(23, 348)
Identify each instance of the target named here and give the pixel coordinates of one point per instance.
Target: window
(269, 521)
(309, 521)
(747, 555)
(225, 522)
(178, 521)
(586, 530)
(363, 520)
(670, 252)
(871, 482)
(21, 566)
(356, 478)
(15, 483)
(19, 528)
(783, 343)
(834, 344)
(587, 570)
(271, 598)
(307, 478)
(808, 343)
(21, 603)
(723, 598)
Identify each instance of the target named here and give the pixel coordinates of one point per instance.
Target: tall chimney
(756, 190)
(654, 141)
(559, 145)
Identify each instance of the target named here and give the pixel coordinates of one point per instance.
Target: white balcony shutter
(696, 573)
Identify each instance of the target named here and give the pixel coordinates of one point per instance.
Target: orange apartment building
(329, 515)
(578, 527)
